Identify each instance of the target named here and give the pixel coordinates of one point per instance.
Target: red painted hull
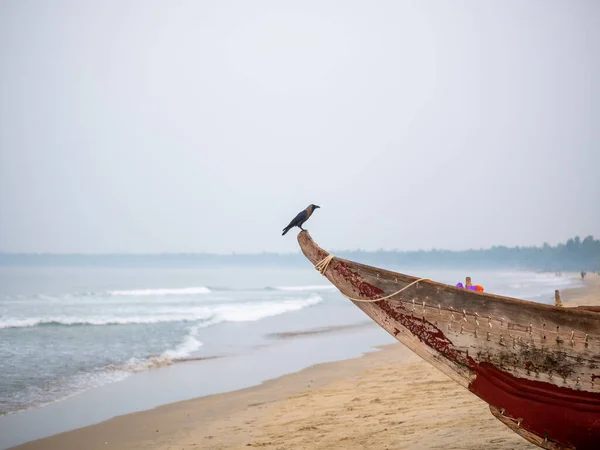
(564, 415)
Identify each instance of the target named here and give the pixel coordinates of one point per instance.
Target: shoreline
(397, 399)
(189, 380)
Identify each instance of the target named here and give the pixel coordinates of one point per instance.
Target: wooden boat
(537, 366)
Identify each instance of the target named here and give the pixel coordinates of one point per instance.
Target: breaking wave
(188, 346)
(178, 291)
(208, 315)
(311, 288)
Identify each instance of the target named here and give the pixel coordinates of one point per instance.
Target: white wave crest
(209, 315)
(306, 288)
(177, 291)
(98, 320)
(188, 346)
(250, 312)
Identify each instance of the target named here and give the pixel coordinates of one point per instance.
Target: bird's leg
(300, 226)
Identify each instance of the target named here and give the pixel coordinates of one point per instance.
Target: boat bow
(536, 365)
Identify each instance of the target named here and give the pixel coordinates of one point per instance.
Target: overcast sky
(190, 126)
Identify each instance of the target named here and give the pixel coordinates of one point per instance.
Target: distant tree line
(574, 255)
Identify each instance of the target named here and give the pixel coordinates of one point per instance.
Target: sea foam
(177, 291)
(207, 315)
(311, 288)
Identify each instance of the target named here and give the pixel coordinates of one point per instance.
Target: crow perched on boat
(300, 218)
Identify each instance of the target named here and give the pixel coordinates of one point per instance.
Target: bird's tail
(285, 230)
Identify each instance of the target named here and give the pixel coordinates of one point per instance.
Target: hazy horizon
(204, 127)
(291, 252)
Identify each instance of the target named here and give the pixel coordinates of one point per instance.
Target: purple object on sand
(473, 288)
(460, 285)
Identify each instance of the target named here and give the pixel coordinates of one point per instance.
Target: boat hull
(537, 366)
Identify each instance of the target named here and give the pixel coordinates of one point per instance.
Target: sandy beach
(386, 399)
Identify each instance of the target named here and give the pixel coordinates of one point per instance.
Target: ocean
(66, 331)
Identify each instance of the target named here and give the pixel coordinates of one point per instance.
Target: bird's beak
(316, 206)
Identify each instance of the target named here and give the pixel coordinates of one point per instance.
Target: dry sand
(387, 399)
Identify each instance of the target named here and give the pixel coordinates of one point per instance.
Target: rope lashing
(322, 266)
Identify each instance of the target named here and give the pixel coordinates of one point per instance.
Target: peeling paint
(427, 333)
(365, 289)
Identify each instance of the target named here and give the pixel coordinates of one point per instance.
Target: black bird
(300, 218)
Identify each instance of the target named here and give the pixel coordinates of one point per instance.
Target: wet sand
(385, 399)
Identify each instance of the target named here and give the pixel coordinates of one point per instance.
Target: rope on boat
(322, 266)
(372, 300)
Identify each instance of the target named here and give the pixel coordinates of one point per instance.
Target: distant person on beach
(583, 274)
